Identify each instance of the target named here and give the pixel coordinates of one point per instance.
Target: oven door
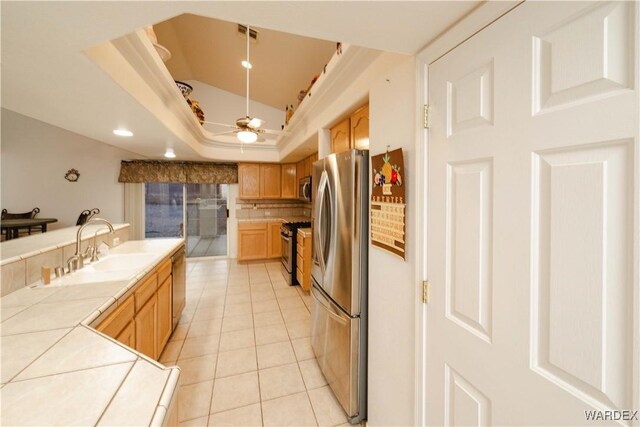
(287, 255)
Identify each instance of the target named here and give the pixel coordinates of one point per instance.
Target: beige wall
(35, 158)
(392, 281)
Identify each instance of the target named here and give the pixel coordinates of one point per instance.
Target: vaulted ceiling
(47, 75)
(211, 50)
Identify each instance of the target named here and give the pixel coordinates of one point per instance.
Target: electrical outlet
(267, 213)
(116, 241)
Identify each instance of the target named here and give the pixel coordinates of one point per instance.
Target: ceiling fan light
(246, 64)
(247, 136)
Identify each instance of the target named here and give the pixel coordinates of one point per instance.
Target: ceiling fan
(246, 128)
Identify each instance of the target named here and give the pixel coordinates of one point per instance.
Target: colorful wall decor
(388, 202)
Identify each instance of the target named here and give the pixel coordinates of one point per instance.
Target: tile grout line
(255, 341)
(104, 411)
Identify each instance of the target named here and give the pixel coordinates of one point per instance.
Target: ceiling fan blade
(255, 123)
(224, 133)
(272, 131)
(220, 124)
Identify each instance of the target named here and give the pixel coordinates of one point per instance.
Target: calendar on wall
(388, 203)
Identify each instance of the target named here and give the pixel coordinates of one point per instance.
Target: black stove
(289, 235)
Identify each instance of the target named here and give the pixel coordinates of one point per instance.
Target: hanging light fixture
(247, 136)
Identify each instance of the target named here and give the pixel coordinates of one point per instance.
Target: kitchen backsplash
(271, 208)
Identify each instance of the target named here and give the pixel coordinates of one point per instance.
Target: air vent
(242, 30)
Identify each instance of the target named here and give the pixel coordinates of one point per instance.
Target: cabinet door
(300, 169)
(128, 335)
(146, 332)
(249, 180)
(340, 137)
(307, 166)
(269, 181)
(274, 240)
(360, 129)
(252, 242)
(289, 182)
(117, 321)
(164, 318)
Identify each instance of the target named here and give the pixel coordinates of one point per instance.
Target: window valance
(136, 171)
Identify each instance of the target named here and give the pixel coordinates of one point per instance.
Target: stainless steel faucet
(76, 262)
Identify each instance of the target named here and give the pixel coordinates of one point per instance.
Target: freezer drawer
(335, 338)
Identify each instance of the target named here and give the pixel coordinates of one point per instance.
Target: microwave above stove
(304, 192)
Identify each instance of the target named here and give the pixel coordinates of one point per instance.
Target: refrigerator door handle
(319, 247)
(334, 313)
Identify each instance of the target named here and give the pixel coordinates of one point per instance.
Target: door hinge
(426, 118)
(425, 291)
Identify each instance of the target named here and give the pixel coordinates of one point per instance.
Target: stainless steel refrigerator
(339, 276)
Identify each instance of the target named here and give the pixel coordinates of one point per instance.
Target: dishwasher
(179, 270)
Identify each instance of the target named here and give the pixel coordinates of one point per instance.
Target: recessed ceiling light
(122, 132)
(247, 64)
(170, 154)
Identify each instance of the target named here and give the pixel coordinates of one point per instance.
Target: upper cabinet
(359, 122)
(289, 183)
(340, 140)
(249, 180)
(352, 132)
(270, 180)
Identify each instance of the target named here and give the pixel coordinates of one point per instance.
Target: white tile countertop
(16, 249)
(55, 369)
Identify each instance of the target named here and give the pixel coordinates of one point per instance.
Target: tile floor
(244, 350)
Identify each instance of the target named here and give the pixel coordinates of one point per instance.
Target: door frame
(482, 16)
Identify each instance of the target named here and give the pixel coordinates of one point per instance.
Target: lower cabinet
(274, 241)
(303, 260)
(146, 334)
(128, 335)
(259, 240)
(164, 315)
(144, 320)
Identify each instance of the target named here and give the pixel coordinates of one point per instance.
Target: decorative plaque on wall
(388, 202)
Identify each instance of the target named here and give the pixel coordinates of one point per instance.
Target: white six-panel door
(533, 233)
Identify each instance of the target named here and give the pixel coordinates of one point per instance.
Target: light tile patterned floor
(244, 351)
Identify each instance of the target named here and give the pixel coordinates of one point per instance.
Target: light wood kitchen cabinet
(274, 241)
(289, 182)
(164, 316)
(352, 132)
(144, 321)
(340, 140)
(307, 166)
(118, 320)
(252, 241)
(300, 169)
(249, 180)
(270, 181)
(303, 260)
(359, 132)
(146, 328)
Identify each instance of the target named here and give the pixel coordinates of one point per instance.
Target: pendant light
(247, 136)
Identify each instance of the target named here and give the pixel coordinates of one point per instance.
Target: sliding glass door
(206, 219)
(163, 210)
(202, 207)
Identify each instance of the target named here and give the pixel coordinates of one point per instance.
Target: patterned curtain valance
(136, 171)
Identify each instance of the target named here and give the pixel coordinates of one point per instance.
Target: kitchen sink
(120, 262)
(111, 268)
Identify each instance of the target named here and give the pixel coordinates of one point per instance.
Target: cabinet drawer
(164, 270)
(300, 262)
(299, 276)
(244, 226)
(146, 291)
(118, 320)
(300, 249)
